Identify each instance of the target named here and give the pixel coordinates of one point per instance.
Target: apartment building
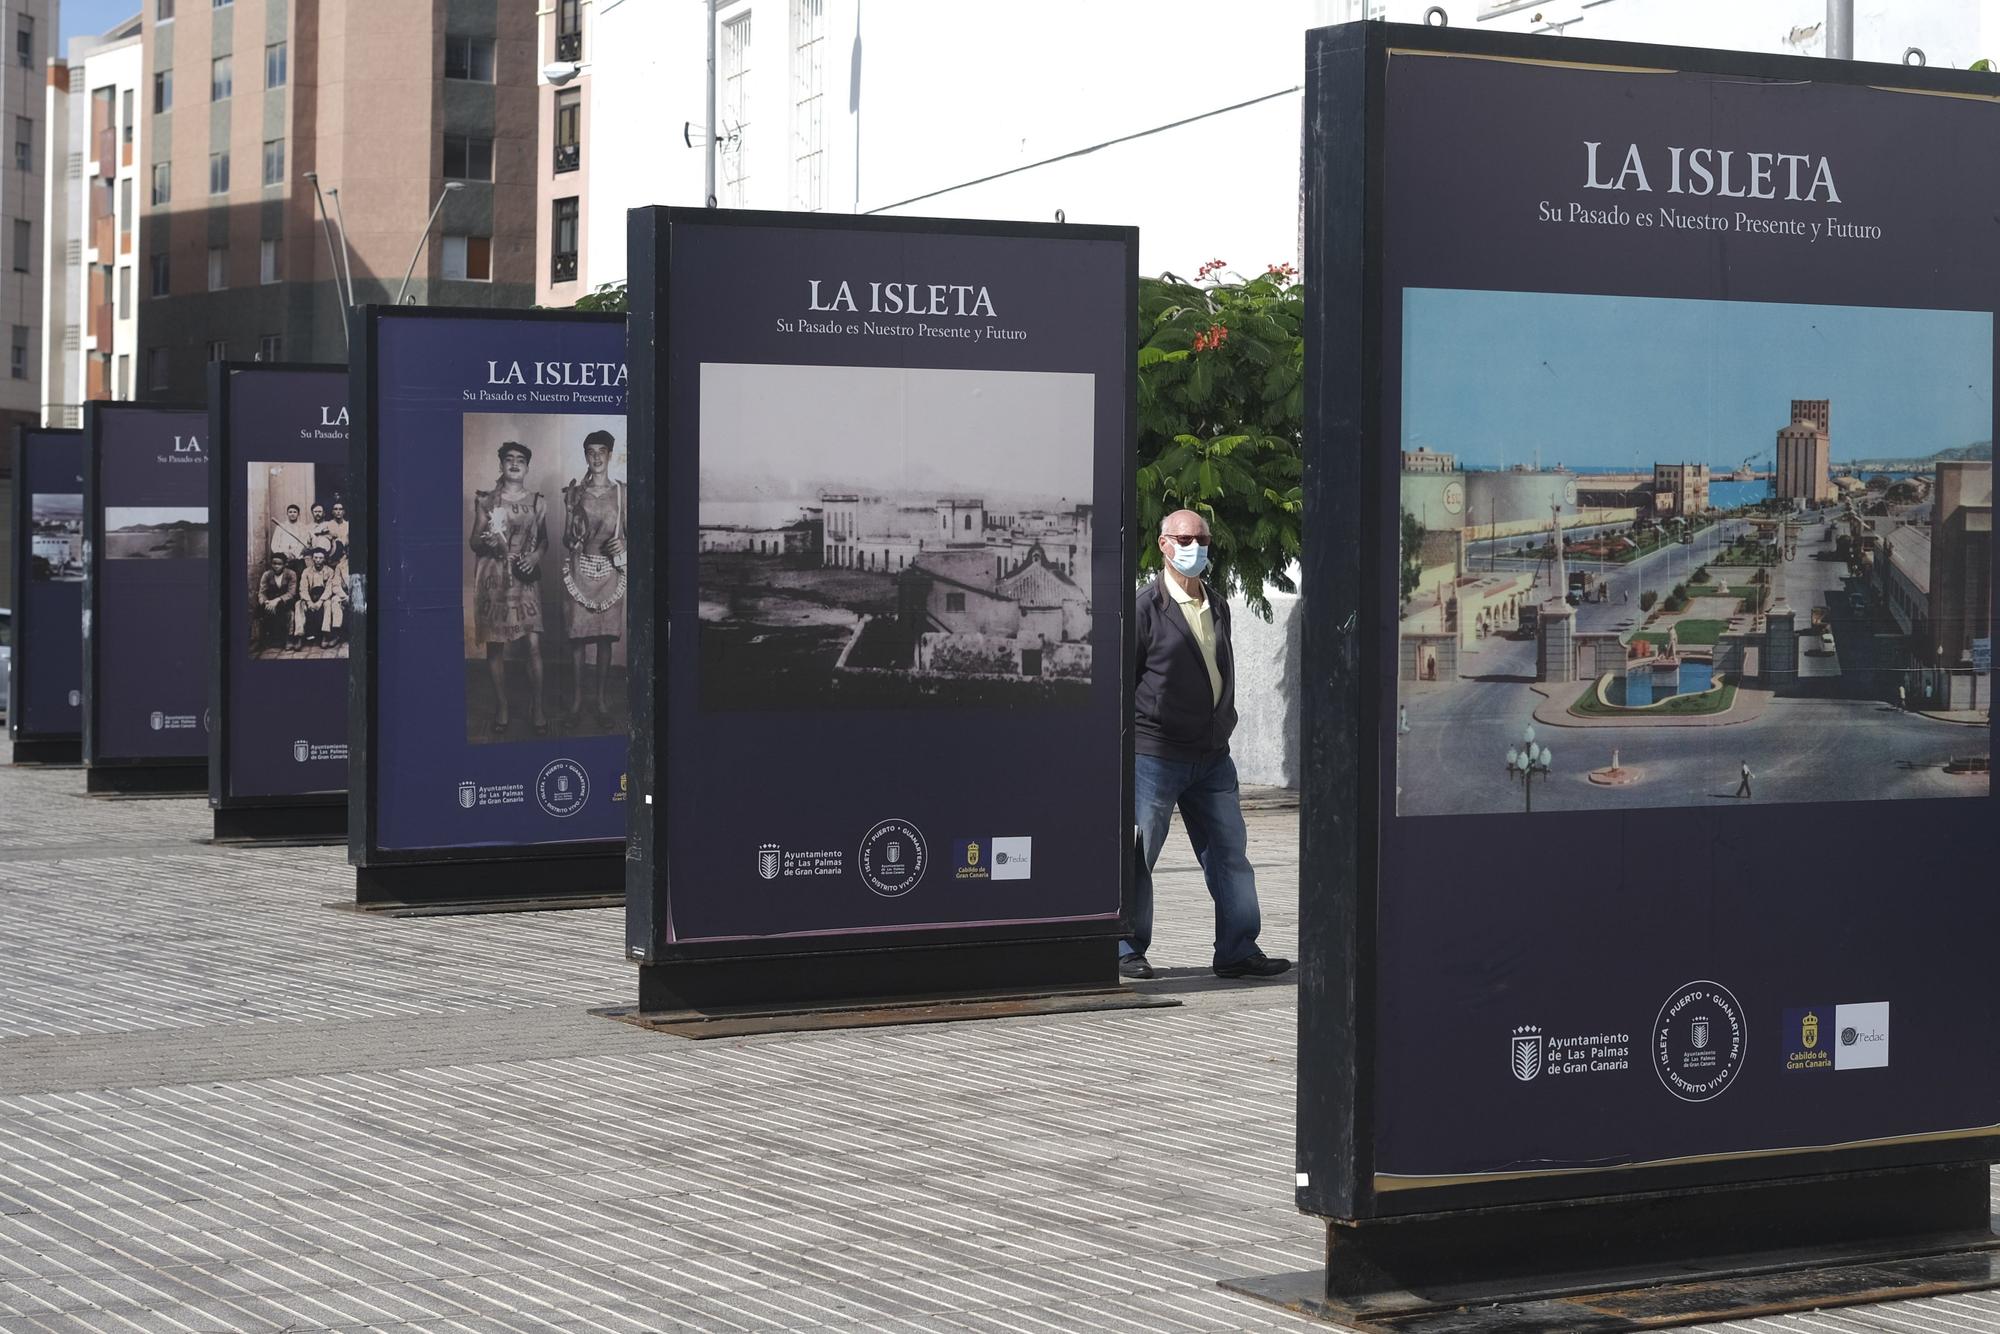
(28, 28)
(90, 234)
(562, 172)
(297, 149)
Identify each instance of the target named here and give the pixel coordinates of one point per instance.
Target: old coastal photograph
(155, 532)
(55, 537)
(890, 536)
(1683, 553)
(544, 576)
(300, 529)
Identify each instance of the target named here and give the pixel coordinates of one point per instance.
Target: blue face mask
(1190, 560)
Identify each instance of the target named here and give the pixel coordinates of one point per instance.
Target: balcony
(569, 46)
(569, 157)
(97, 377)
(106, 144)
(101, 232)
(100, 326)
(562, 266)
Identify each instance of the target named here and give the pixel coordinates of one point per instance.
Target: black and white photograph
(887, 536)
(544, 575)
(300, 531)
(55, 539)
(156, 532)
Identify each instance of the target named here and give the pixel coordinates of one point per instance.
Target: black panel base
(527, 884)
(871, 975)
(753, 1021)
(1654, 1261)
(316, 824)
(55, 752)
(147, 780)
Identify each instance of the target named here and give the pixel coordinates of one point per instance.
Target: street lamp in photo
(450, 188)
(1527, 763)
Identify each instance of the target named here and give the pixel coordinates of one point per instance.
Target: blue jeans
(1205, 792)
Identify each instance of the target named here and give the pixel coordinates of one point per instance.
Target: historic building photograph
(879, 534)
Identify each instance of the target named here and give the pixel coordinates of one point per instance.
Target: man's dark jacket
(1174, 711)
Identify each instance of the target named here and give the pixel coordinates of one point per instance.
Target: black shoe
(1134, 965)
(1255, 965)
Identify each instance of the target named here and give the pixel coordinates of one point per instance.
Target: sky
(1601, 381)
(90, 17)
(772, 431)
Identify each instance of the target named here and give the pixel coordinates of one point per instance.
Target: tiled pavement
(225, 1106)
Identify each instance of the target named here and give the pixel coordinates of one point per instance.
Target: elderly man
(1184, 708)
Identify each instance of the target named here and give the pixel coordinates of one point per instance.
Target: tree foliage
(1222, 417)
(606, 297)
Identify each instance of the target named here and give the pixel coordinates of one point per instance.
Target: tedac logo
(1699, 1041)
(562, 788)
(893, 858)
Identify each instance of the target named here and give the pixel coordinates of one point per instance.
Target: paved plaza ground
(226, 1106)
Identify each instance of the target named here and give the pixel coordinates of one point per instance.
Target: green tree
(607, 297)
(1412, 549)
(1647, 599)
(1222, 419)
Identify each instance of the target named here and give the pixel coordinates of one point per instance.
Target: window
(124, 375)
(569, 129)
(24, 143)
(24, 42)
(467, 158)
(218, 173)
(125, 215)
(158, 369)
(24, 244)
(163, 90)
(218, 268)
(163, 182)
(124, 291)
(562, 254)
(468, 258)
(18, 362)
(162, 273)
(735, 113)
(274, 162)
(221, 78)
(218, 350)
(163, 12)
(222, 4)
(270, 347)
(808, 102)
(277, 65)
(954, 602)
(267, 262)
(468, 58)
(569, 30)
(125, 128)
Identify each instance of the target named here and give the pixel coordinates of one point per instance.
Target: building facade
(30, 28)
(1680, 488)
(562, 157)
(418, 123)
(1961, 573)
(91, 284)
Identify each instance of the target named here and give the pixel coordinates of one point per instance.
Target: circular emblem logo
(1569, 493)
(1699, 1041)
(1848, 1037)
(893, 857)
(1454, 497)
(562, 787)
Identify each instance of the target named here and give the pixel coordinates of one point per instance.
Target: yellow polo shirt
(1201, 620)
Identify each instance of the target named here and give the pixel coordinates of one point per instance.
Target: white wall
(948, 93)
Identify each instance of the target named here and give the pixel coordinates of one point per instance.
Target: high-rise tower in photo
(1805, 453)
